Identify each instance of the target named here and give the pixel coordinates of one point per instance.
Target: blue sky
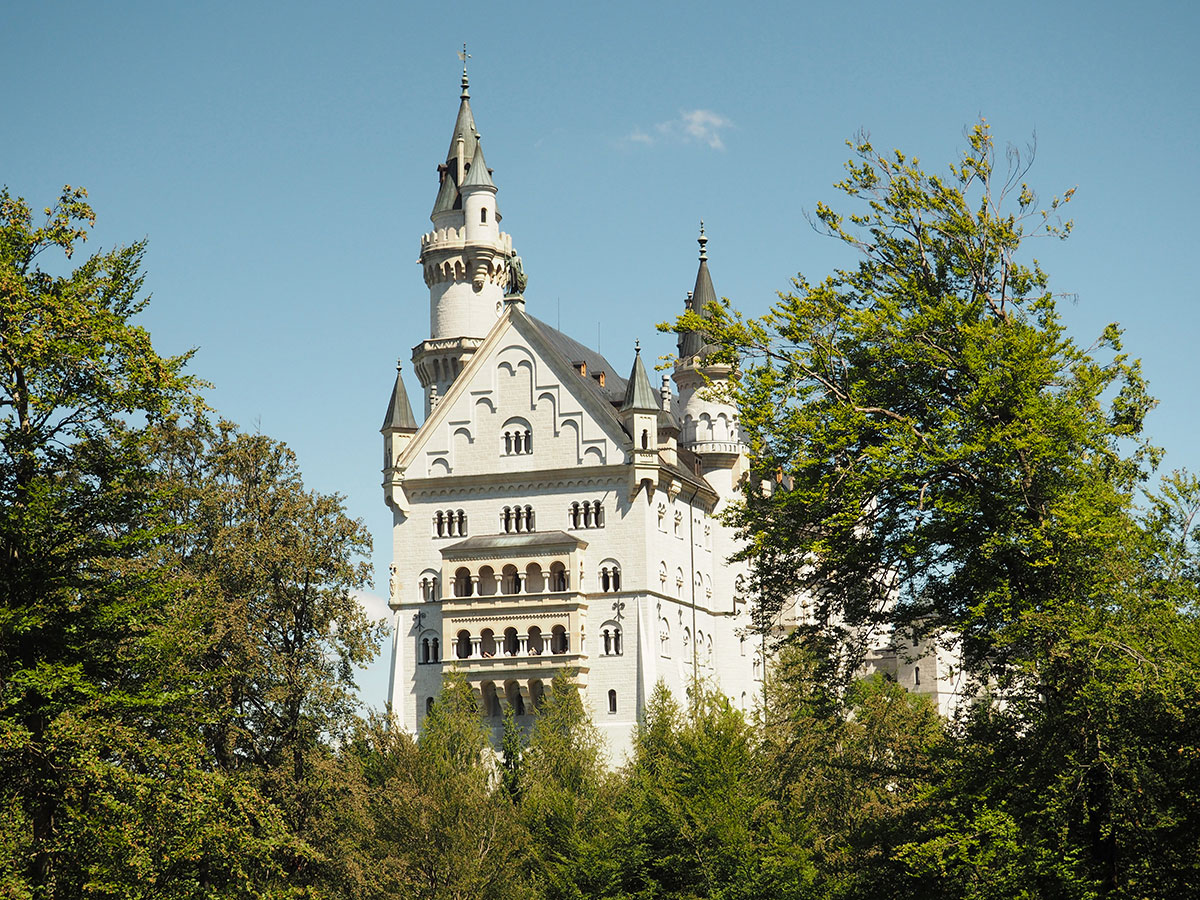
(281, 159)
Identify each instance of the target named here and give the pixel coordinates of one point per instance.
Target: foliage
(948, 457)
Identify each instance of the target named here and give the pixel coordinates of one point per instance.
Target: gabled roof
(639, 395)
(575, 353)
(399, 412)
(548, 342)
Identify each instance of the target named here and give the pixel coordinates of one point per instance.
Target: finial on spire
(702, 240)
(464, 56)
(637, 347)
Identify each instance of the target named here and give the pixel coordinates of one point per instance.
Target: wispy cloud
(693, 126)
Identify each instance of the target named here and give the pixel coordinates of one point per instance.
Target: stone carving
(393, 586)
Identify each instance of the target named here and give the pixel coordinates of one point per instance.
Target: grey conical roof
(639, 395)
(464, 127)
(478, 174)
(399, 412)
(447, 196)
(692, 343)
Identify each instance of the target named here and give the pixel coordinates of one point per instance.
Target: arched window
(516, 437)
(511, 643)
(506, 520)
(437, 653)
(439, 524)
(610, 638)
(597, 516)
(916, 676)
(487, 643)
(425, 650)
(535, 642)
(645, 439)
(664, 639)
(573, 515)
(483, 215)
(610, 576)
(612, 701)
(558, 577)
(462, 524)
(529, 518)
(558, 639)
(462, 647)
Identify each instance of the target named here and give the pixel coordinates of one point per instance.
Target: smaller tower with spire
(639, 414)
(398, 429)
(710, 427)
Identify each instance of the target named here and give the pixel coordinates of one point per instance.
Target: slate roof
(399, 412)
(508, 542)
(574, 352)
(639, 395)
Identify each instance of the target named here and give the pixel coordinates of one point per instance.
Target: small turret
(398, 428)
(639, 414)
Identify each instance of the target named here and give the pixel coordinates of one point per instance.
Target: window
(450, 523)
(610, 577)
(429, 587)
(516, 519)
(588, 514)
(428, 705)
(612, 701)
(483, 215)
(558, 639)
(645, 439)
(610, 639)
(916, 676)
(462, 583)
(429, 651)
(516, 438)
(558, 577)
(462, 647)
(664, 639)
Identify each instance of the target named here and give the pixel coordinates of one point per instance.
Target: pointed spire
(477, 174)
(399, 415)
(639, 395)
(691, 343)
(464, 56)
(464, 129)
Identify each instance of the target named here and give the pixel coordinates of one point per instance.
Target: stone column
(475, 651)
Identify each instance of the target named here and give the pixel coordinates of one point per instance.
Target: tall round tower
(466, 259)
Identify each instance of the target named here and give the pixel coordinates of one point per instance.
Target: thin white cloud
(692, 126)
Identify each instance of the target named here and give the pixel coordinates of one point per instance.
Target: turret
(639, 414)
(398, 428)
(710, 427)
(466, 259)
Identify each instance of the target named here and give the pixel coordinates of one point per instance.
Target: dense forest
(933, 454)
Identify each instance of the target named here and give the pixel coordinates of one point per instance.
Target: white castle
(550, 514)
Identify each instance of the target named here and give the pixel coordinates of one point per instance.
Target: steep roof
(399, 414)
(575, 353)
(639, 395)
(464, 127)
(692, 343)
(478, 173)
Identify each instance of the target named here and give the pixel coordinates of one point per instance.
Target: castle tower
(398, 429)
(467, 260)
(710, 427)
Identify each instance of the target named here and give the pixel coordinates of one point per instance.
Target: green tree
(567, 798)
(442, 831)
(701, 822)
(79, 516)
(948, 457)
(271, 570)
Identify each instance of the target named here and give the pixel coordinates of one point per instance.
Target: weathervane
(464, 56)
